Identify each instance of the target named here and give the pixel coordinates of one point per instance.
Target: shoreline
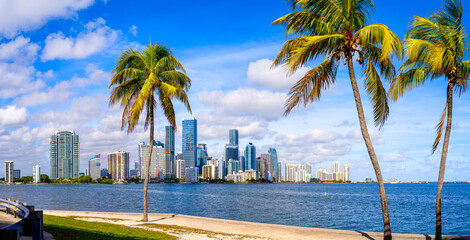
(197, 226)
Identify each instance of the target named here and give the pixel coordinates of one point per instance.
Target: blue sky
(56, 57)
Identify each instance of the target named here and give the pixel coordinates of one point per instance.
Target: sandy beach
(191, 227)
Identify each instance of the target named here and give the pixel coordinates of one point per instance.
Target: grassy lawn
(71, 229)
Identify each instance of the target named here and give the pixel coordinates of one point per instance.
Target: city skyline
(50, 86)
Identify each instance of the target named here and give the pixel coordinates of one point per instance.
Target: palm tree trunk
(147, 168)
(370, 149)
(442, 168)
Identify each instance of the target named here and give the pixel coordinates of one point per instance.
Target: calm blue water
(347, 206)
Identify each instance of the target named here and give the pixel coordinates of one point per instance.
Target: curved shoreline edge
(223, 226)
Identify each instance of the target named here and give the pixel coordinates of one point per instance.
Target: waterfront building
(250, 156)
(189, 142)
(179, 156)
(169, 152)
(230, 152)
(222, 168)
(338, 176)
(104, 172)
(336, 167)
(296, 173)
(263, 169)
(210, 172)
(94, 164)
(64, 155)
(201, 156)
(118, 165)
(191, 174)
(233, 137)
(157, 160)
(233, 166)
(276, 165)
(269, 165)
(213, 161)
(346, 172)
(16, 173)
(133, 173)
(308, 168)
(368, 180)
(279, 172)
(36, 174)
(9, 172)
(180, 168)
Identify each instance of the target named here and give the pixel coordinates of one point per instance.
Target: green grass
(71, 229)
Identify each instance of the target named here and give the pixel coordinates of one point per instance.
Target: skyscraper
(276, 165)
(16, 173)
(241, 158)
(180, 169)
(233, 166)
(189, 141)
(308, 168)
(250, 157)
(157, 160)
(346, 172)
(36, 174)
(230, 152)
(169, 152)
(336, 167)
(118, 165)
(64, 155)
(94, 164)
(233, 137)
(9, 172)
(201, 156)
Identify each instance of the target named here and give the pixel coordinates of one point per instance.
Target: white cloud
(246, 101)
(96, 38)
(25, 15)
(61, 92)
(133, 30)
(356, 136)
(20, 49)
(260, 74)
(13, 116)
(17, 79)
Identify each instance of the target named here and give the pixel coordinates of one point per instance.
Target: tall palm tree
(145, 79)
(339, 30)
(435, 47)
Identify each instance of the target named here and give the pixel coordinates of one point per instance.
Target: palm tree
(435, 47)
(339, 30)
(145, 79)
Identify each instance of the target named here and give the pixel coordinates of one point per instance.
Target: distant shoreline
(204, 183)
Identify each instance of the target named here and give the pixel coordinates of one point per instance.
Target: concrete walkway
(240, 228)
(7, 220)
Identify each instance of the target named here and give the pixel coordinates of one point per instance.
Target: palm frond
(439, 129)
(310, 86)
(377, 93)
(407, 81)
(381, 35)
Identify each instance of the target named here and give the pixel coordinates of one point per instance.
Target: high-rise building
(64, 155)
(94, 164)
(189, 141)
(233, 166)
(336, 167)
(157, 160)
(210, 172)
(269, 165)
(263, 168)
(250, 157)
(104, 172)
(16, 173)
(346, 172)
(276, 165)
(308, 168)
(9, 172)
(118, 165)
(179, 156)
(169, 152)
(241, 158)
(36, 174)
(230, 152)
(201, 156)
(233, 137)
(180, 168)
(191, 175)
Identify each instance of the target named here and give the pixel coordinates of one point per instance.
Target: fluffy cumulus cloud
(96, 37)
(20, 49)
(25, 15)
(61, 92)
(13, 116)
(246, 101)
(18, 79)
(261, 74)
